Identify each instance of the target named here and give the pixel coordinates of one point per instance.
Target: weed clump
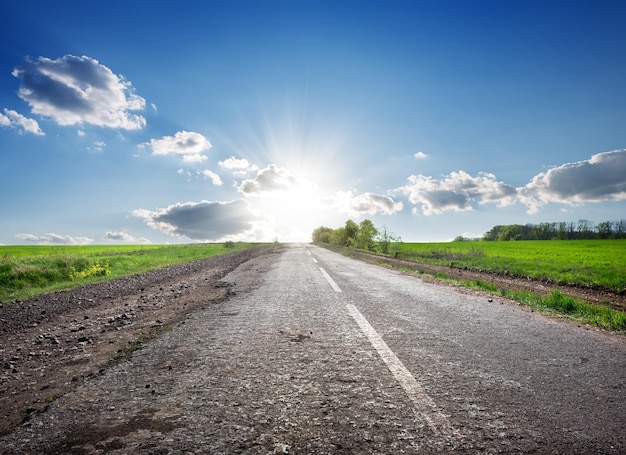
(92, 268)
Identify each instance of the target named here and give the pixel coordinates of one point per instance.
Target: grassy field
(26, 271)
(586, 263)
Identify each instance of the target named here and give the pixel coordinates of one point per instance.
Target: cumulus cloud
(601, 178)
(270, 179)
(238, 166)
(420, 155)
(12, 119)
(187, 144)
(457, 191)
(75, 90)
(204, 221)
(364, 204)
(54, 239)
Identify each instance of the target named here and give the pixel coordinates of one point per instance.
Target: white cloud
(457, 191)
(234, 163)
(364, 204)
(75, 90)
(210, 175)
(12, 119)
(187, 144)
(238, 166)
(601, 178)
(123, 237)
(98, 146)
(204, 221)
(270, 179)
(54, 239)
(420, 155)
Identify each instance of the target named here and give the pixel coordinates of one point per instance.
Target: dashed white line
(314, 260)
(437, 421)
(330, 280)
(424, 404)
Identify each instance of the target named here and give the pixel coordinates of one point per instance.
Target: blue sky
(171, 122)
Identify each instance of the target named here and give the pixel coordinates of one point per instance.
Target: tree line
(362, 236)
(365, 236)
(581, 230)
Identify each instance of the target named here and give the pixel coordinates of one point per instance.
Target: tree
(386, 239)
(585, 229)
(339, 237)
(365, 236)
(322, 234)
(605, 230)
(619, 227)
(352, 232)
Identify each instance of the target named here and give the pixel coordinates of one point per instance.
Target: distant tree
(322, 234)
(619, 228)
(605, 230)
(339, 237)
(561, 231)
(543, 231)
(572, 233)
(493, 234)
(365, 237)
(352, 232)
(512, 232)
(585, 229)
(386, 240)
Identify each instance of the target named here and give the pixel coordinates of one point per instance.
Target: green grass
(26, 271)
(584, 263)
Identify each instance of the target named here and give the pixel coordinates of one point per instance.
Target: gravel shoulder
(53, 343)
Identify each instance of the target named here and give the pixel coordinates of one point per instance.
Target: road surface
(319, 353)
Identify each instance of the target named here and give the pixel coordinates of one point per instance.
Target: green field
(26, 271)
(585, 263)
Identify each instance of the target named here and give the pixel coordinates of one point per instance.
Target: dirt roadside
(51, 344)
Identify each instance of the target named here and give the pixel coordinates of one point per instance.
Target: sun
(308, 148)
(291, 213)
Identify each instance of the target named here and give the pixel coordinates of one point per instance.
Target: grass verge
(27, 272)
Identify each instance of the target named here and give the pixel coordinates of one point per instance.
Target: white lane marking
(330, 280)
(314, 260)
(308, 252)
(437, 421)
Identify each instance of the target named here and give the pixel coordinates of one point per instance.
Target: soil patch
(51, 344)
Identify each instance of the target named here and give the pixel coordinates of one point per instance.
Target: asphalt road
(318, 353)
